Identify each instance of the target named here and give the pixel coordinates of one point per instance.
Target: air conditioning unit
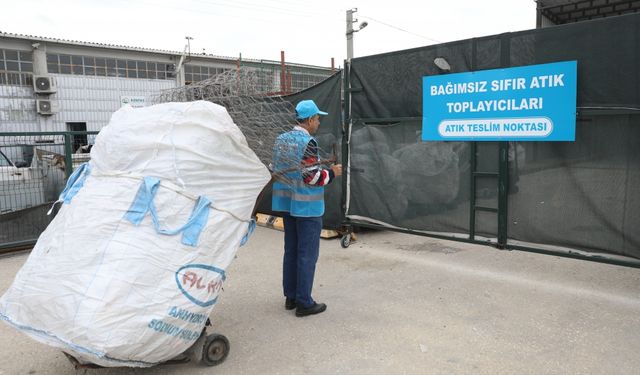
(44, 85)
(46, 107)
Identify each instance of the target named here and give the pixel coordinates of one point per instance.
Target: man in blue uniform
(299, 194)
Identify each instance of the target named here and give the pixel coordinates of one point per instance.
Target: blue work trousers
(301, 248)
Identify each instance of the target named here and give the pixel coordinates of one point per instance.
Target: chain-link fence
(287, 78)
(260, 116)
(276, 78)
(33, 171)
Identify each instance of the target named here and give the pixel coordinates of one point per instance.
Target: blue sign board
(529, 103)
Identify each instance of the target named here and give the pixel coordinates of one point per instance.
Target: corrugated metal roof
(140, 49)
(92, 44)
(567, 11)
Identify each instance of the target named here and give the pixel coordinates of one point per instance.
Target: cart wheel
(345, 241)
(215, 350)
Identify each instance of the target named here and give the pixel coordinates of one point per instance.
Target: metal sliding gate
(573, 199)
(33, 171)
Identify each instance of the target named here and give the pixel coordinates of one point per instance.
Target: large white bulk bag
(133, 263)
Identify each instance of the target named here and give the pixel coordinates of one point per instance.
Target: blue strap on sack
(143, 203)
(75, 182)
(252, 227)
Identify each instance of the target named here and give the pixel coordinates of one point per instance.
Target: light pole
(350, 31)
(183, 60)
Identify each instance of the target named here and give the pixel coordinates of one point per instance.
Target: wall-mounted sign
(133, 101)
(529, 103)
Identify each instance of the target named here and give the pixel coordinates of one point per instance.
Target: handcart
(209, 350)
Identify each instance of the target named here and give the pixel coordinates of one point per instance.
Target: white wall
(79, 99)
(17, 109)
(93, 99)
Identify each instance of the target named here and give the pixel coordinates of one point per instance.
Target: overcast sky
(310, 32)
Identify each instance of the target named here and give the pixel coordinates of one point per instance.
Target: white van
(20, 186)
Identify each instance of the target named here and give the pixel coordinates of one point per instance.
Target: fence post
(503, 182)
(474, 159)
(68, 160)
(346, 130)
(503, 158)
(472, 186)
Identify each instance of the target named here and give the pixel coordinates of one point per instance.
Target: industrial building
(49, 84)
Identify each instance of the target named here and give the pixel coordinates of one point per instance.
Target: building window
(76, 65)
(26, 61)
(104, 67)
(101, 66)
(89, 64)
(65, 64)
(16, 67)
(53, 65)
(111, 68)
(196, 73)
(142, 69)
(131, 69)
(122, 68)
(303, 79)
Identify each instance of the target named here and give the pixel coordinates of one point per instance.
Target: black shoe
(316, 308)
(289, 303)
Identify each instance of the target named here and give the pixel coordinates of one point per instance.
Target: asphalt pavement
(403, 304)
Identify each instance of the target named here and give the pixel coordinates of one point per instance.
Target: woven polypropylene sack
(134, 262)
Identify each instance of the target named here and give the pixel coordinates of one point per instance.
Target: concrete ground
(402, 304)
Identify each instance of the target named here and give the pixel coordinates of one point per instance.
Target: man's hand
(337, 169)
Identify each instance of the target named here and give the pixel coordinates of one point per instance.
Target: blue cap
(308, 108)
